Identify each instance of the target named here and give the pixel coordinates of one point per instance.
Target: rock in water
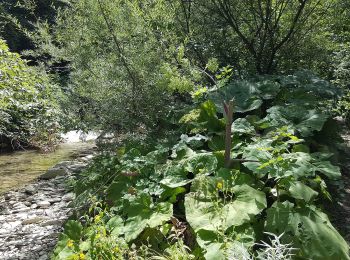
(31, 218)
(54, 172)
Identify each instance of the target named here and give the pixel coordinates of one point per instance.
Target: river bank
(22, 167)
(31, 218)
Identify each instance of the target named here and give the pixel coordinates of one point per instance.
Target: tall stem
(228, 140)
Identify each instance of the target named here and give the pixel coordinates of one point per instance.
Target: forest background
(160, 75)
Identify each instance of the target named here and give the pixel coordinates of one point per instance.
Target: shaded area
(339, 208)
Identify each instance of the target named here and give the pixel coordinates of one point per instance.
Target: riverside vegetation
(177, 200)
(221, 114)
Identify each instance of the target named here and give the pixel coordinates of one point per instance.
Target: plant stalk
(228, 107)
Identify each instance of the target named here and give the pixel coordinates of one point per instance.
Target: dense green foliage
(181, 194)
(127, 55)
(136, 52)
(163, 69)
(28, 109)
(18, 19)
(115, 61)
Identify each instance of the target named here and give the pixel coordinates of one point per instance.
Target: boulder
(30, 190)
(76, 168)
(64, 164)
(44, 204)
(54, 172)
(68, 197)
(33, 220)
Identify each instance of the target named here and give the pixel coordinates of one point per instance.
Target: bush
(29, 113)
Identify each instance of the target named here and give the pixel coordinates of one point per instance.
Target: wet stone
(68, 197)
(30, 190)
(54, 172)
(31, 219)
(44, 204)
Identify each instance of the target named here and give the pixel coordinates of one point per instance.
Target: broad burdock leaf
(176, 173)
(242, 126)
(195, 141)
(297, 164)
(268, 89)
(245, 94)
(200, 163)
(175, 176)
(328, 169)
(204, 119)
(115, 226)
(142, 213)
(299, 190)
(308, 229)
(205, 211)
(232, 245)
(303, 120)
(309, 84)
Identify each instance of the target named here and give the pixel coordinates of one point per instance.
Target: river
(21, 167)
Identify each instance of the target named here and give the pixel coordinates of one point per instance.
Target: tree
(115, 59)
(266, 27)
(28, 110)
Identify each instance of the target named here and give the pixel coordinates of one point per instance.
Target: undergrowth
(178, 200)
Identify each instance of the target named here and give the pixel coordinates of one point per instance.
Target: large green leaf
(301, 191)
(301, 164)
(115, 226)
(302, 119)
(73, 229)
(259, 151)
(204, 118)
(242, 126)
(181, 150)
(205, 211)
(298, 164)
(245, 94)
(142, 212)
(232, 245)
(309, 84)
(116, 190)
(195, 141)
(175, 174)
(201, 163)
(328, 169)
(170, 194)
(268, 89)
(217, 143)
(308, 229)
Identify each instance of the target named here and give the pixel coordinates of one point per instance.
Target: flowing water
(22, 167)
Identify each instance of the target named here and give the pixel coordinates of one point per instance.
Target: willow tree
(115, 57)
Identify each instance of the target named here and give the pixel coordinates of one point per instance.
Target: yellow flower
(116, 249)
(98, 236)
(82, 256)
(70, 243)
(97, 218)
(219, 185)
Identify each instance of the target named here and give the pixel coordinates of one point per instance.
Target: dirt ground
(339, 208)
